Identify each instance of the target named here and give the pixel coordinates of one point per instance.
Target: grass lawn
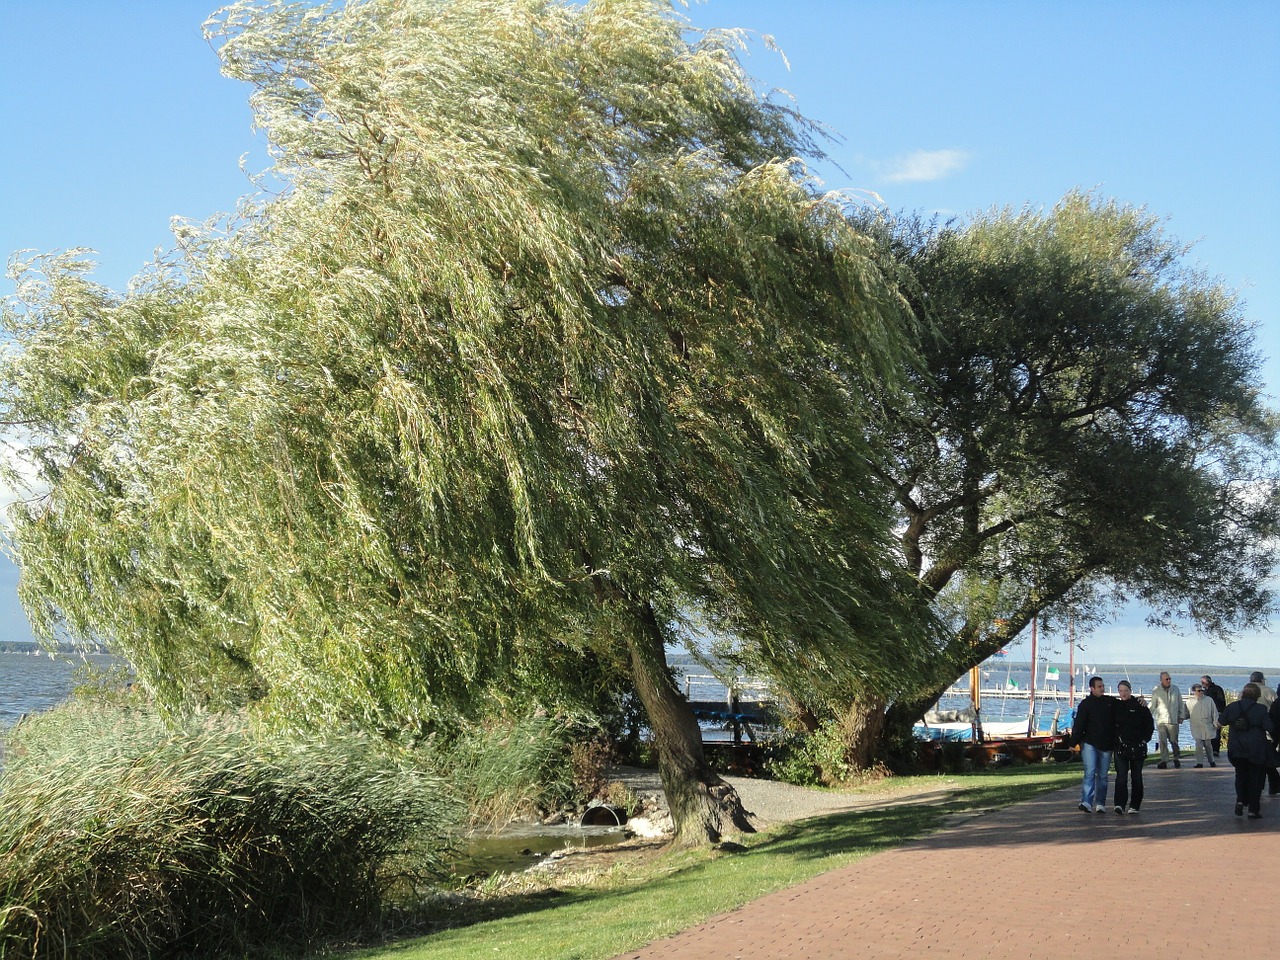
(640, 900)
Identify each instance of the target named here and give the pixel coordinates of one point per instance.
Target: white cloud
(925, 165)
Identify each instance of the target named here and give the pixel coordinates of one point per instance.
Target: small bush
(122, 837)
(815, 759)
(618, 794)
(900, 750)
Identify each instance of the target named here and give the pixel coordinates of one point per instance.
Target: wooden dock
(741, 706)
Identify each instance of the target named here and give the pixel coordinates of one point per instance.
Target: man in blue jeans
(1094, 731)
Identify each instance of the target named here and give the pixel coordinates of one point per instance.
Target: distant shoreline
(25, 646)
(1209, 668)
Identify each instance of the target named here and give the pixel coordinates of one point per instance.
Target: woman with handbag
(1134, 727)
(1204, 725)
(1248, 724)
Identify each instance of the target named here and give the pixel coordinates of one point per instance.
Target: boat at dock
(1028, 740)
(1037, 732)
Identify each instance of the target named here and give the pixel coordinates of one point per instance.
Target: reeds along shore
(203, 839)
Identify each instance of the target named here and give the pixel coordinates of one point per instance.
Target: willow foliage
(544, 300)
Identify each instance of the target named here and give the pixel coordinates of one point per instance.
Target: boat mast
(975, 696)
(1031, 694)
(1071, 648)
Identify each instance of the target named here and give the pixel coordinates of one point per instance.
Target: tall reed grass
(123, 837)
(509, 768)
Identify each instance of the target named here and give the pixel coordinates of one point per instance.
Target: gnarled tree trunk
(702, 805)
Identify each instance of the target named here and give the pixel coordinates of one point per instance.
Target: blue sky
(115, 119)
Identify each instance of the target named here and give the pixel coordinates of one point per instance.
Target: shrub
(900, 750)
(811, 759)
(589, 759)
(124, 837)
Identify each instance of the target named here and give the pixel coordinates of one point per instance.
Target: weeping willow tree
(545, 342)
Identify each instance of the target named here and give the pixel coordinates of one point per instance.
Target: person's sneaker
(1212, 764)
(1132, 810)
(1162, 765)
(1198, 766)
(1239, 809)
(1255, 816)
(1099, 808)
(1084, 807)
(1120, 810)
(1177, 764)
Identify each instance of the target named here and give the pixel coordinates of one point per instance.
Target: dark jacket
(1134, 723)
(1217, 695)
(1095, 723)
(1273, 753)
(1249, 744)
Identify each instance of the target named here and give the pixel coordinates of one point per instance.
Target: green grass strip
(624, 911)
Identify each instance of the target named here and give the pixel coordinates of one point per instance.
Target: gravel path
(771, 801)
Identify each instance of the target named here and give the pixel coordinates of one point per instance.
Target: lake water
(34, 681)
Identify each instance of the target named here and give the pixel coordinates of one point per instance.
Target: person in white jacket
(1265, 694)
(1204, 725)
(1169, 710)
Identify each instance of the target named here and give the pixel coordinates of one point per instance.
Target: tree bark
(702, 805)
(862, 726)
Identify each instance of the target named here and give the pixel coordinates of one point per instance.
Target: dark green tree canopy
(1090, 426)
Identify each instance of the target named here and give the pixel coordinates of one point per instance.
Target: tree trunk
(862, 726)
(871, 731)
(910, 711)
(702, 805)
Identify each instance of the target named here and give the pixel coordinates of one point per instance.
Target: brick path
(1036, 880)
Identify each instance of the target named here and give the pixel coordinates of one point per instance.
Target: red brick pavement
(1037, 880)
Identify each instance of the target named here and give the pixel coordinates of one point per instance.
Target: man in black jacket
(1273, 754)
(1219, 698)
(1094, 730)
(1134, 727)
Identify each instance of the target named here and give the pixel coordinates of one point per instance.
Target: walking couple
(1105, 726)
